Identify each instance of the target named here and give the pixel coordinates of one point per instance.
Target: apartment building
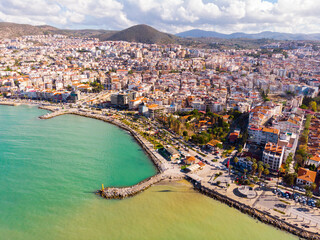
(273, 155)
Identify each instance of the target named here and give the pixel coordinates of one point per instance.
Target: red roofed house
(306, 177)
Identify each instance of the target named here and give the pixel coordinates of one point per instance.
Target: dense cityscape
(228, 119)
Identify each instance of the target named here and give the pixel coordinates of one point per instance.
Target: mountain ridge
(198, 33)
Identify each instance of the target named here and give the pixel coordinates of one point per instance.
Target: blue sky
(226, 16)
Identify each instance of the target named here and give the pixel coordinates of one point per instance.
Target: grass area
(203, 155)
(277, 210)
(285, 202)
(217, 175)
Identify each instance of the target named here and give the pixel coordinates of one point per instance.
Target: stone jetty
(125, 192)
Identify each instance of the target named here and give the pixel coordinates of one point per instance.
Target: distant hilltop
(142, 33)
(197, 33)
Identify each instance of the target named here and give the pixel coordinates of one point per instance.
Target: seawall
(264, 217)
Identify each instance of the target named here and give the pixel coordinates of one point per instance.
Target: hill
(197, 33)
(141, 33)
(10, 30)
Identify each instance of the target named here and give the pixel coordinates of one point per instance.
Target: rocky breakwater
(264, 217)
(54, 114)
(125, 192)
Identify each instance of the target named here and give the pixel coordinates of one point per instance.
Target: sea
(51, 169)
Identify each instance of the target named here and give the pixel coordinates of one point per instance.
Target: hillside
(141, 33)
(9, 30)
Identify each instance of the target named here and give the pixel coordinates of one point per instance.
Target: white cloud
(168, 15)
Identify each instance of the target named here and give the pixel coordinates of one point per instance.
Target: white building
(273, 155)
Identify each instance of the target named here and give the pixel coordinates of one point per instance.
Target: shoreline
(262, 216)
(130, 191)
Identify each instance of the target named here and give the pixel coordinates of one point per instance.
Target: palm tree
(254, 168)
(266, 166)
(254, 160)
(266, 171)
(236, 160)
(248, 159)
(313, 187)
(260, 170)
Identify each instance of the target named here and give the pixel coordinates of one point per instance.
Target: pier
(125, 192)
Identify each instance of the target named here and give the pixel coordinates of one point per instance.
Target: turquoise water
(49, 170)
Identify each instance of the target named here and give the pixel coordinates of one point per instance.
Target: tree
(267, 166)
(313, 187)
(313, 106)
(260, 170)
(289, 178)
(236, 160)
(219, 145)
(254, 168)
(185, 133)
(308, 193)
(303, 106)
(288, 162)
(266, 171)
(248, 159)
